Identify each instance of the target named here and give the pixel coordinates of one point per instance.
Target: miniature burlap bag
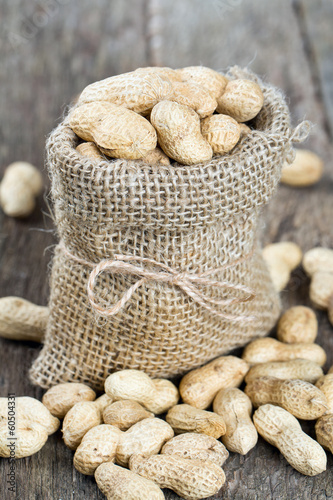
(159, 268)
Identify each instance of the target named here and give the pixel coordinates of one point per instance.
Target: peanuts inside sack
(159, 178)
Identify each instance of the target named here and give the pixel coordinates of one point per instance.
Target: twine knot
(161, 273)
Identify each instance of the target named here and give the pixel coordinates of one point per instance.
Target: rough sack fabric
(191, 218)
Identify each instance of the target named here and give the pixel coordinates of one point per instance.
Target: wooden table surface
(50, 50)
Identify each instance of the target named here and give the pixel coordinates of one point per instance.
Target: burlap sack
(194, 219)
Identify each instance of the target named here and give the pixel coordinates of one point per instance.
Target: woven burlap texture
(192, 218)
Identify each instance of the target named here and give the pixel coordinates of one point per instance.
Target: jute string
(120, 264)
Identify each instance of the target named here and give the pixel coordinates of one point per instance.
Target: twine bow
(188, 283)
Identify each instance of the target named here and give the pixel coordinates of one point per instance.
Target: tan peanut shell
(321, 289)
(267, 349)
(281, 429)
(242, 100)
(301, 399)
(164, 72)
(102, 402)
(235, 408)
(29, 411)
(302, 369)
(318, 259)
(195, 446)
(325, 384)
(117, 131)
(138, 90)
(124, 414)
(282, 258)
(305, 170)
(29, 439)
(156, 157)
(21, 184)
(324, 431)
(190, 479)
(145, 437)
(221, 131)
(199, 387)
(78, 421)
(22, 320)
(90, 150)
(298, 324)
(197, 98)
(205, 77)
(98, 445)
(62, 397)
(156, 396)
(186, 418)
(244, 129)
(179, 135)
(117, 483)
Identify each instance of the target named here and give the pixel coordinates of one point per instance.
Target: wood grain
(50, 50)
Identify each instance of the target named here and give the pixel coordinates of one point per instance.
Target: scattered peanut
(281, 259)
(156, 157)
(301, 369)
(298, 324)
(305, 170)
(165, 72)
(62, 397)
(102, 402)
(207, 78)
(117, 131)
(267, 349)
(124, 414)
(20, 186)
(318, 264)
(30, 411)
(90, 150)
(199, 387)
(235, 407)
(196, 447)
(324, 431)
(325, 384)
(301, 399)
(154, 395)
(179, 135)
(117, 483)
(29, 439)
(281, 429)
(195, 97)
(190, 479)
(78, 421)
(221, 131)
(244, 129)
(186, 418)
(241, 99)
(22, 320)
(318, 259)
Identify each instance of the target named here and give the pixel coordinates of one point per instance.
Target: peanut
(305, 170)
(197, 98)
(301, 399)
(62, 397)
(124, 414)
(98, 445)
(235, 407)
(318, 259)
(30, 411)
(145, 437)
(318, 264)
(138, 90)
(196, 447)
(325, 384)
(164, 72)
(244, 129)
(301, 369)
(78, 421)
(199, 387)
(207, 78)
(324, 431)
(297, 324)
(241, 99)
(267, 349)
(90, 150)
(102, 402)
(20, 186)
(22, 320)
(221, 131)
(29, 439)
(282, 258)
(190, 479)
(281, 429)
(117, 131)
(156, 396)
(185, 418)
(156, 157)
(179, 135)
(117, 483)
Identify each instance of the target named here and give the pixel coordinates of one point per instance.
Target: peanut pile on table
(160, 114)
(145, 434)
